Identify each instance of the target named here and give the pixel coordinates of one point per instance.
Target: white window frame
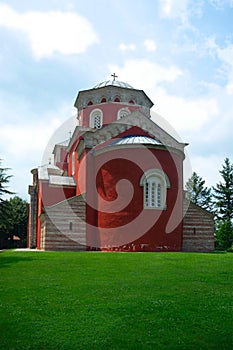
(96, 119)
(123, 112)
(155, 183)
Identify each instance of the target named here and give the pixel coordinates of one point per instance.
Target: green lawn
(92, 300)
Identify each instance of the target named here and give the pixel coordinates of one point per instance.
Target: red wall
(116, 218)
(109, 110)
(51, 194)
(133, 227)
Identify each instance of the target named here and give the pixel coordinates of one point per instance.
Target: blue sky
(180, 52)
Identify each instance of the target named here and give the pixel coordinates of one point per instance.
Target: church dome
(109, 92)
(113, 83)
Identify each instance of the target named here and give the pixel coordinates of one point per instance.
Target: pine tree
(223, 193)
(4, 213)
(198, 193)
(4, 180)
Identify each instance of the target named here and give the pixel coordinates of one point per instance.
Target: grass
(62, 300)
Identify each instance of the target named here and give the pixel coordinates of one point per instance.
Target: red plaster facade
(117, 184)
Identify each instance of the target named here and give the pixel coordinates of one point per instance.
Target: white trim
(123, 112)
(96, 119)
(155, 183)
(73, 163)
(155, 172)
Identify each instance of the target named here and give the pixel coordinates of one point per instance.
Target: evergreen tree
(4, 180)
(198, 193)
(223, 193)
(224, 234)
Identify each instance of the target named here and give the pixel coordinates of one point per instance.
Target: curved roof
(113, 83)
(135, 140)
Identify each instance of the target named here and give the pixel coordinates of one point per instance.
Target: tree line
(217, 199)
(13, 215)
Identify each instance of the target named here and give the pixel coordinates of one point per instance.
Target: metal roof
(136, 140)
(114, 83)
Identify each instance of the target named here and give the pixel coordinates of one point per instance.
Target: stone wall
(64, 225)
(198, 229)
(32, 219)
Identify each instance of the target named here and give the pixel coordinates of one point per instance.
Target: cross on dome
(114, 76)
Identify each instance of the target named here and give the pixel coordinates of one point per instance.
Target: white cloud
(226, 54)
(208, 167)
(150, 45)
(129, 47)
(166, 7)
(21, 150)
(220, 4)
(229, 88)
(183, 113)
(181, 10)
(50, 32)
(204, 122)
(142, 73)
(174, 8)
(23, 139)
(25, 135)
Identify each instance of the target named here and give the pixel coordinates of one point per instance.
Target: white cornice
(137, 118)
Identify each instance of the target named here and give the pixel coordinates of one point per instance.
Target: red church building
(117, 185)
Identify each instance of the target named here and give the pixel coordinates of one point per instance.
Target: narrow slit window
(147, 194)
(158, 195)
(152, 194)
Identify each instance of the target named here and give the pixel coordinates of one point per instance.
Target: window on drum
(96, 119)
(123, 112)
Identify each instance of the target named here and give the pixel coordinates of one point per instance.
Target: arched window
(96, 119)
(117, 99)
(155, 183)
(103, 100)
(123, 112)
(90, 103)
(132, 102)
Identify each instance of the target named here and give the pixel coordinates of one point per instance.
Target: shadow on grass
(7, 260)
